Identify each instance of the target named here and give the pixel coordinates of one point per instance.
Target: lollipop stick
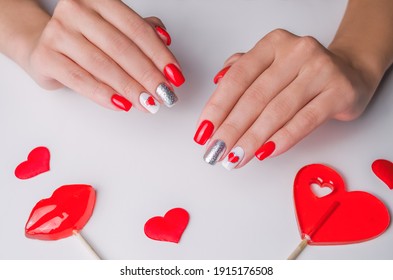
(298, 250)
(322, 220)
(87, 245)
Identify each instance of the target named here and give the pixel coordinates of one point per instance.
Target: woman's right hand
(108, 53)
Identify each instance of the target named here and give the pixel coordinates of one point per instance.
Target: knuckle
(214, 108)
(253, 138)
(277, 35)
(307, 44)
(236, 76)
(52, 33)
(279, 110)
(75, 76)
(231, 129)
(148, 76)
(138, 28)
(322, 62)
(100, 61)
(310, 117)
(257, 95)
(120, 45)
(67, 7)
(128, 88)
(97, 91)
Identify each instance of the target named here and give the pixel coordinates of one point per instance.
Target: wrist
(370, 65)
(22, 26)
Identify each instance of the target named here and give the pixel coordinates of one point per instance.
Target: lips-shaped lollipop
(63, 214)
(340, 217)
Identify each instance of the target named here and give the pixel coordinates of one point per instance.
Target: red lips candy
(65, 213)
(340, 217)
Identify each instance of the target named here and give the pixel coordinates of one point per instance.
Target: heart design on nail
(168, 228)
(384, 171)
(37, 162)
(340, 217)
(233, 158)
(150, 101)
(61, 215)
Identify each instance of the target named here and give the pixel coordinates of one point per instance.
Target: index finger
(144, 36)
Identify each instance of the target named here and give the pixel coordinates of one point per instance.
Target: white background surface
(143, 165)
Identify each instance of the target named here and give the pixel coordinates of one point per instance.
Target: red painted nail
(121, 103)
(265, 150)
(164, 35)
(203, 133)
(174, 75)
(221, 74)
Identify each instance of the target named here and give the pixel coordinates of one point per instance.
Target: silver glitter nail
(166, 94)
(215, 151)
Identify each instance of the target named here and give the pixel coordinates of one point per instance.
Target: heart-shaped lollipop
(168, 228)
(340, 217)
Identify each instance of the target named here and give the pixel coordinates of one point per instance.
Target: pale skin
(286, 86)
(96, 48)
(279, 91)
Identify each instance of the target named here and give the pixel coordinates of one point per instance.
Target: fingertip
(164, 35)
(220, 75)
(266, 150)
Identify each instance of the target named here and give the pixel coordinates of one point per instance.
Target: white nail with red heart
(234, 157)
(149, 102)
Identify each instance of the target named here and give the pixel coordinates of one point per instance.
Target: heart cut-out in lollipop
(340, 217)
(63, 214)
(384, 171)
(168, 228)
(37, 162)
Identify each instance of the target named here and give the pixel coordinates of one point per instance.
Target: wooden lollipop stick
(298, 250)
(87, 245)
(322, 220)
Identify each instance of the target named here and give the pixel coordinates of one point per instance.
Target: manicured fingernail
(149, 102)
(203, 133)
(221, 74)
(164, 35)
(174, 75)
(233, 158)
(265, 150)
(166, 94)
(121, 102)
(214, 152)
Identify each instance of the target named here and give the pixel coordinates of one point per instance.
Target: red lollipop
(340, 217)
(63, 214)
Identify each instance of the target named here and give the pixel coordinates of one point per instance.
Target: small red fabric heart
(66, 212)
(384, 171)
(168, 228)
(37, 162)
(340, 217)
(150, 101)
(233, 158)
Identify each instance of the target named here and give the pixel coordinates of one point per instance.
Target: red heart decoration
(63, 214)
(150, 101)
(168, 228)
(233, 158)
(340, 217)
(37, 162)
(384, 171)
